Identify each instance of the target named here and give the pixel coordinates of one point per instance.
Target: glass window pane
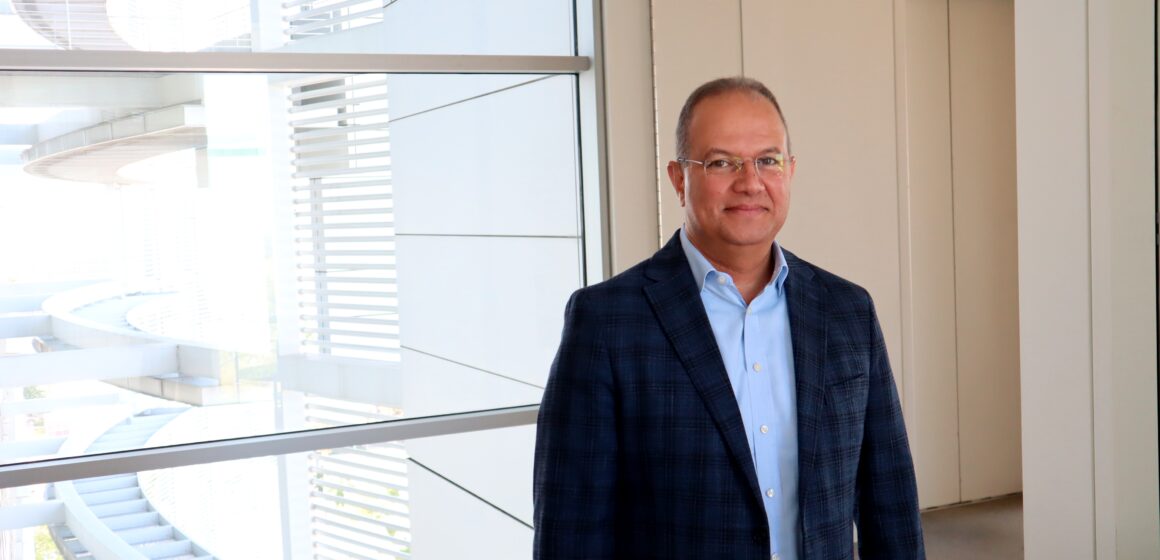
(512, 27)
(385, 500)
(190, 257)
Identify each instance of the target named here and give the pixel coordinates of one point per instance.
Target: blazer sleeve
(574, 487)
(886, 511)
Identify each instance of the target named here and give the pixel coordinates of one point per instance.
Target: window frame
(587, 68)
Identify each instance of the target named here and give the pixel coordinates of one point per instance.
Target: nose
(748, 179)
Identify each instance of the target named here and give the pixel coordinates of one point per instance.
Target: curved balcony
(72, 24)
(95, 154)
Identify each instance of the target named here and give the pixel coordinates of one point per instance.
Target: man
(724, 398)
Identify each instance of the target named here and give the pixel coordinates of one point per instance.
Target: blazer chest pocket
(844, 396)
(845, 417)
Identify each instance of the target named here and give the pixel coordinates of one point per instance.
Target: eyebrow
(711, 151)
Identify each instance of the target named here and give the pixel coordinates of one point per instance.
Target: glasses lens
(722, 166)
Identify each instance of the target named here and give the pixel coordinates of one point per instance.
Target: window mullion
(274, 62)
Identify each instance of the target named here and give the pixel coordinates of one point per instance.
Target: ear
(792, 166)
(677, 178)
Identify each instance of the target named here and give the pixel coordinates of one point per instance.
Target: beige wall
(982, 77)
(1086, 151)
(1085, 345)
(630, 133)
(929, 354)
(870, 93)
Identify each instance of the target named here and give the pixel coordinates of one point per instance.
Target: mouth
(746, 209)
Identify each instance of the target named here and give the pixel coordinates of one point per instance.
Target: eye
(768, 162)
(719, 163)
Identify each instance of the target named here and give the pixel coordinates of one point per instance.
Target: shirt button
(774, 557)
(756, 366)
(764, 429)
(721, 280)
(769, 492)
(748, 310)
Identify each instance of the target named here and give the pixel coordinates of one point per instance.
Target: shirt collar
(701, 266)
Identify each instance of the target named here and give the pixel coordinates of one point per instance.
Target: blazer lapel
(807, 318)
(682, 317)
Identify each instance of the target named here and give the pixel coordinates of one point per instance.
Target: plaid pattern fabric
(640, 447)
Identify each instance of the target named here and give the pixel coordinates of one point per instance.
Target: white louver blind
(344, 217)
(305, 18)
(358, 497)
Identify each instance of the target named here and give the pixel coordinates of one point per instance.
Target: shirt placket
(764, 432)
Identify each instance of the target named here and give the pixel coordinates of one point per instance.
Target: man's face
(733, 211)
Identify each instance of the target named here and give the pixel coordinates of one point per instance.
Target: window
(316, 250)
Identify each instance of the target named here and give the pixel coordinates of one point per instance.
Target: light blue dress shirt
(755, 344)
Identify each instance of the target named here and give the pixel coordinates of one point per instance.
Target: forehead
(736, 120)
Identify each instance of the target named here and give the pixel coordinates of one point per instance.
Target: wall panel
(1054, 306)
(691, 45)
(982, 59)
(474, 300)
(448, 523)
(465, 168)
(844, 214)
(869, 90)
(927, 246)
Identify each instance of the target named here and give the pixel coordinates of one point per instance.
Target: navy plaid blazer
(640, 447)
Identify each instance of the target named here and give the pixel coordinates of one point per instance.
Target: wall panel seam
(464, 489)
(1088, 270)
(954, 250)
(741, 32)
(652, 26)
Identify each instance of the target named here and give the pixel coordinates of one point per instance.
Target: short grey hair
(718, 87)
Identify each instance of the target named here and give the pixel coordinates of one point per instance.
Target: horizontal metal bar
(359, 334)
(346, 212)
(339, 158)
(359, 320)
(356, 307)
(346, 225)
(278, 62)
(344, 102)
(386, 465)
(330, 22)
(340, 280)
(336, 267)
(326, 8)
(345, 553)
(345, 346)
(339, 512)
(341, 185)
(362, 505)
(348, 489)
(346, 253)
(402, 487)
(344, 171)
(364, 543)
(371, 534)
(328, 131)
(341, 144)
(306, 121)
(55, 470)
(349, 239)
(352, 293)
(326, 91)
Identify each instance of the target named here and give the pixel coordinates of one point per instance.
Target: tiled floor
(991, 529)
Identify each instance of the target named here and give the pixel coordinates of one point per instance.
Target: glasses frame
(739, 165)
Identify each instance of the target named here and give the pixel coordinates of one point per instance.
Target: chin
(750, 235)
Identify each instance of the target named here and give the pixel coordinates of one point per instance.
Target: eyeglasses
(768, 167)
